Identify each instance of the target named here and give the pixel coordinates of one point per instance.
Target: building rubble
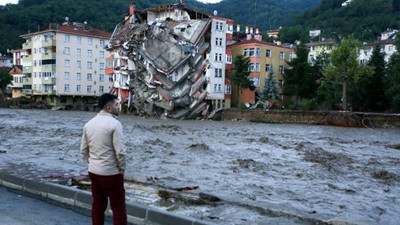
(162, 53)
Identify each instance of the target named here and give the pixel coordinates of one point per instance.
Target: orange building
(263, 56)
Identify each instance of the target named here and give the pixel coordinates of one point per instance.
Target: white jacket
(102, 145)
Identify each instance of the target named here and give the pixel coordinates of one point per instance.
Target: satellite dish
(66, 18)
(215, 12)
(85, 22)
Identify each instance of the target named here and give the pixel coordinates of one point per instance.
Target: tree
(368, 94)
(240, 78)
(299, 80)
(269, 91)
(392, 81)
(344, 67)
(5, 79)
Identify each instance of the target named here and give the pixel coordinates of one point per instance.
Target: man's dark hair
(105, 99)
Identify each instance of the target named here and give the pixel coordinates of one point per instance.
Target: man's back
(102, 139)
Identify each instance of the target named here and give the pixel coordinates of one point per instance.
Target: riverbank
(328, 118)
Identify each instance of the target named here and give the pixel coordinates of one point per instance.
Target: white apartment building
(386, 43)
(65, 64)
(217, 87)
(316, 48)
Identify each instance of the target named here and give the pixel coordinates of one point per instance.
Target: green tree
(269, 91)
(345, 68)
(240, 78)
(5, 79)
(299, 79)
(392, 81)
(368, 94)
(292, 34)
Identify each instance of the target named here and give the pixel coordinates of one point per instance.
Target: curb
(78, 199)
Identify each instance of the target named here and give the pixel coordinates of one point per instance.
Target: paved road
(17, 209)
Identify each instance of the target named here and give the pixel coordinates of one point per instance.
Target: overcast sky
(3, 2)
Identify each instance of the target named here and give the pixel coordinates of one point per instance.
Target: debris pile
(165, 60)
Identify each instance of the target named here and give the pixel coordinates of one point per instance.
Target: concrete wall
(333, 118)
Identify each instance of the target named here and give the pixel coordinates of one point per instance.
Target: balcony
(49, 55)
(27, 45)
(27, 81)
(49, 68)
(27, 69)
(49, 80)
(49, 92)
(49, 43)
(27, 91)
(27, 58)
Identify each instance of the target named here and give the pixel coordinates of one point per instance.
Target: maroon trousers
(104, 187)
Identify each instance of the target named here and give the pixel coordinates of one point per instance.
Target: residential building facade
(65, 64)
(386, 43)
(16, 86)
(218, 87)
(316, 48)
(264, 57)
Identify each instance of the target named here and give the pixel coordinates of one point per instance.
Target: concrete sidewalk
(18, 209)
(76, 199)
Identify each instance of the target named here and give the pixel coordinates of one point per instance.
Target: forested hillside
(366, 19)
(31, 15)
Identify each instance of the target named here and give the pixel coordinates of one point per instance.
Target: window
(89, 53)
(66, 87)
(250, 52)
(40, 74)
(101, 77)
(101, 89)
(390, 48)
(101, 54)
(255, 67)
(216, 57)
(229, 59)
(110, 78)
(66, 75)
(78, 64)
(34, 62)
(89, 88)
(89, 65)
(219, 87)
(90, 41)
(78, 88)
(268, 67)
(216, 25)
(67, 38)
(268, 54)
(258, 52)
(218, 41)
(280, 83)
(102, 67)
(78, 51)
(290, 57)
(66, 50)
(215, 87)
(220, 57)
(282, 55)
(79, 39)
(102, 42)
(89, 76)
(218, 72)
(66, 62)
(78, 76)
(281, 70)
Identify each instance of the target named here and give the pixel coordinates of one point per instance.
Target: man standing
(103, 149)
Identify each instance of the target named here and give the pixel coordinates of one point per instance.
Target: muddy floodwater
(236, 172)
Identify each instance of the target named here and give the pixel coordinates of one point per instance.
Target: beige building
(263, 56)
(65, 64)
(16, 86)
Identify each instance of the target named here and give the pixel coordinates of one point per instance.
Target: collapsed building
(158, 60)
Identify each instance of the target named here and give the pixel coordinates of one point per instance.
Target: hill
(365, 19)
(31, 15)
